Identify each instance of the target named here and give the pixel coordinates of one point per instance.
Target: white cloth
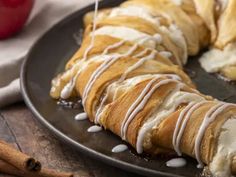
(44, 15)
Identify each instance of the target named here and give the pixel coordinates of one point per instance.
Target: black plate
(48, 57)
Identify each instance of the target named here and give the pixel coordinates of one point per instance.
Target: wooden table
(19, 127)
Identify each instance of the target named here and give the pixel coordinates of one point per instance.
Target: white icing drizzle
(93, 32)
(81, 116)
(179, 120)
(169, 106)
(106, 64)
(210, 116)
(135, 104)
(148, 126)
(122, 78)
(173, 76)
(138, 64)
(183, 118)
(94, 129)
(113, 46)
(176, 162)
(119, 148)
(156, 37)
(141, 54)
(139, 104)
(99, 110)
(68, 88)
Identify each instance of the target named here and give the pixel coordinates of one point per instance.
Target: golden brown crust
(189, 8)
(227, 25)
(206, 10)
(229, 72)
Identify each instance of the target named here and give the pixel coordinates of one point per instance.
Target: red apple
(13, 15)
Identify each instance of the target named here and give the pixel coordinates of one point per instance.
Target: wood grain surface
(19, 127)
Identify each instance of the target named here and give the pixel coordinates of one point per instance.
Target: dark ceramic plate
(48, 57)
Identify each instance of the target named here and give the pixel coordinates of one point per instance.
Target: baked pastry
(128, 73)
(221, 57)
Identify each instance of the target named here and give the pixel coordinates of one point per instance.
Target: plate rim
(60, 135)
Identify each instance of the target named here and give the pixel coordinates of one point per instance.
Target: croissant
(128, 73)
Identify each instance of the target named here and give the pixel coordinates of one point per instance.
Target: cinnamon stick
(18, 159)
(11, 170)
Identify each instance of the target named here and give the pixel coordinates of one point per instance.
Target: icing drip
(94, 129)
(67, 90)
(210, 116)
(139, 104)
(107, 63)
(81, 116)
(135, 104)
(183, 118)
(119, 148)
(176, 163)
(93, 32)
